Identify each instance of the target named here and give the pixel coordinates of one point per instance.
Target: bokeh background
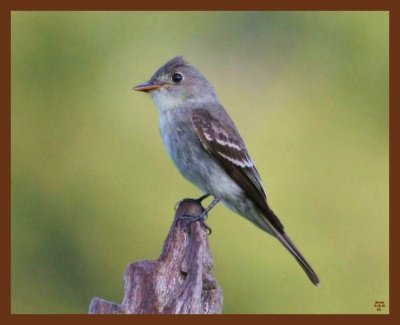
(93, 188)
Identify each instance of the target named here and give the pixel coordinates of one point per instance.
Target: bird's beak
(146, 87)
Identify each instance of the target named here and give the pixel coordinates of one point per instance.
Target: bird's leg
(199, 200)
(189, 218)
(203, 197)
(203, 215)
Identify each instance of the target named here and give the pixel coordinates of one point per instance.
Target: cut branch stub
(180, 281)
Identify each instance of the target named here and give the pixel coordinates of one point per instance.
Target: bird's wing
(223, 142)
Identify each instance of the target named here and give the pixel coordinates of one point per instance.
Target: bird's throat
(165, 101)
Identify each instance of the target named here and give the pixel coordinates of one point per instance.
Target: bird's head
(176, 83)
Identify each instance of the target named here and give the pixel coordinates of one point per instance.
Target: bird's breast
(179, 138)
(191, 159)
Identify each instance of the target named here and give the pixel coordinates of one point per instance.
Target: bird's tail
(290, 246)
(270, 223)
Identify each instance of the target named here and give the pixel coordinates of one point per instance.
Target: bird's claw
(188, 219)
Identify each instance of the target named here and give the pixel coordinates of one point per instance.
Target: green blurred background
(93, 188)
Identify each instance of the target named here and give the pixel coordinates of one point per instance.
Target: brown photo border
(7, 6)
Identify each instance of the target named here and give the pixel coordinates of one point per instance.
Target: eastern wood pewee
(208, 150)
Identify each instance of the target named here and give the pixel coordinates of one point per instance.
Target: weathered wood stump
(180, 281)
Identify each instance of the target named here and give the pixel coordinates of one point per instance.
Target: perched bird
(208, 150)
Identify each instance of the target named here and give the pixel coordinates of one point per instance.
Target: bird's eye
(177, 77)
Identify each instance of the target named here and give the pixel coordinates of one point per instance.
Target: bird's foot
(188, 219)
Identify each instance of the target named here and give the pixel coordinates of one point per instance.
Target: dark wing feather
(224, 144)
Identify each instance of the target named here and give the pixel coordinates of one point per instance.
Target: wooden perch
(180, 281)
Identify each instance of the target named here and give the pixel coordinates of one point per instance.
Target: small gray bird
(208, 150)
